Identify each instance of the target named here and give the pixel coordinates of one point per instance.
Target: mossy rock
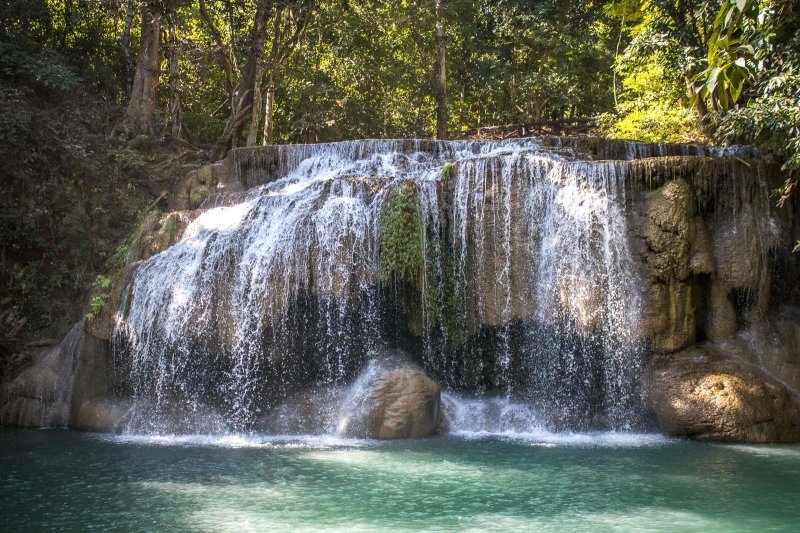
(400, 244)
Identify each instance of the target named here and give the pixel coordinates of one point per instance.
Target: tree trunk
(138, 118)
(269, 109)
(255, 119)
(242, 100)
(67, 23)
(440, 78)
(126, 46)
(174, 81)
(699, 105)
(225, 55)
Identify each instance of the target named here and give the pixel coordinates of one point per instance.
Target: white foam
(239, 441)
(548, 439)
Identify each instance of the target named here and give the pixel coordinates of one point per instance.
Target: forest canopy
(226, 73)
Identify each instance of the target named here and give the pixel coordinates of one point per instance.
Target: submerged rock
(392, 399)
(694, 394)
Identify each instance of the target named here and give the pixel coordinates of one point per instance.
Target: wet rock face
(49, 393)
(667, 228)
(706, 256)
(393, 399)
(694, 394)
(100, 416)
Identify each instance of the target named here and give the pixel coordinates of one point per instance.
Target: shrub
(100, 290)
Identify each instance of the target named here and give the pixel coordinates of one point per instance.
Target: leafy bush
(126, 159)
(203, 127)
(15, 117)
(100, 290)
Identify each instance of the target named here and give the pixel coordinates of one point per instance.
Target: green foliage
(100, 293)
(731, 58)
(15, 117)
(652, 105)
(447, 171)
(203, 127)
(766, 35)
(664, 44)
(400, 243)
(126, 159)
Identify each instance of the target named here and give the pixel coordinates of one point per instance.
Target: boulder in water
(101, 416)
(694, 394)
(392, 399)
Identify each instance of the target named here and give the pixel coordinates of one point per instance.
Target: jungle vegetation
(96, 94)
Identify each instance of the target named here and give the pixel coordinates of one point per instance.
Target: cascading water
(528, 287)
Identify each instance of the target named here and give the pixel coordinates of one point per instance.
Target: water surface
(65, 480)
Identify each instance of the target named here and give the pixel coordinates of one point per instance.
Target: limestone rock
(675, 246)
(669, 230)
(47, 393)
(669, 316)
(40, 395)
(157, 232)
(198, 186)
(100, 416)
(393, 399)
(721, 319)
(696, 395)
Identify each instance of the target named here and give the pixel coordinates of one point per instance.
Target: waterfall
(528, 289)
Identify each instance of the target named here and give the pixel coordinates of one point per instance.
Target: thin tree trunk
(699, 105)
(126, 47)
(269, 110)
(440, 77)
(255, 119)
(616, 54)
(224, 54)
(67, 23)
(142, 105)
(174, 80)
(242, 98)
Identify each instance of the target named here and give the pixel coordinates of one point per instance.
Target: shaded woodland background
(106, 104)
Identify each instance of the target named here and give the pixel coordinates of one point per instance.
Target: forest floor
(72, 196)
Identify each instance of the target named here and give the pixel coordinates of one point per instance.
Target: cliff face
(596, 280)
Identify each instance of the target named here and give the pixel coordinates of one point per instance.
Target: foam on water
(239, 441)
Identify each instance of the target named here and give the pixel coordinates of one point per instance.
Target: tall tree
(289, 20)
(130, 7)
(440, 77)
(173, 56)
(138, 117)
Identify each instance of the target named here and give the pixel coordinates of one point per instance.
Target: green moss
(100, 292)
(122, 252)
(447, 171)
(401, 241)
